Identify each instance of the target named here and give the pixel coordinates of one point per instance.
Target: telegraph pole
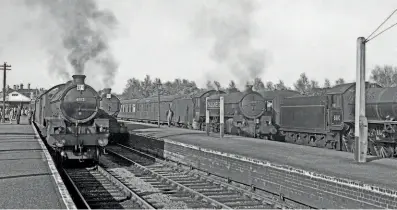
(5, 69)
(361, 123)
(158, 99)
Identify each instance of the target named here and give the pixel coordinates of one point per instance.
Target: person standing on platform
(19, 113)
(11, 115)
(169, 115)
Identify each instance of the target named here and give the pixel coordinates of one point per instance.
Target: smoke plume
(85, 31)
(230, 24)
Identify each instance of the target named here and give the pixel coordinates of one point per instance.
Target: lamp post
(158, 100)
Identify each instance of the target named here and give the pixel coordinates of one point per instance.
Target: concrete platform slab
(28, 176)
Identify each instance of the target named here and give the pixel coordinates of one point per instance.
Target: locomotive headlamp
(102, 142)
(60, 143)
(105, 142)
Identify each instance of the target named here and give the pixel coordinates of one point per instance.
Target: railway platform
(28, 176)
(324, 178)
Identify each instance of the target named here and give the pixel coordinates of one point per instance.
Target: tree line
(385, 76)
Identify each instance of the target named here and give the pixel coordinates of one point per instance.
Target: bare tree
(217, 85)
(304, 85)
(340, 81)
(280, 86)
(270, 86)
(327, 83)
(210, 86)
(258, 84)
(385, 76)
(232, 87)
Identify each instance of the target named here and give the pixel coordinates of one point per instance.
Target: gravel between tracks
(143, 186)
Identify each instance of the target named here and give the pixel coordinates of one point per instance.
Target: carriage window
(133, 107)
(336, 101)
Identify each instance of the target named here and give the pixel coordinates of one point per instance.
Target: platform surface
(27, 178)
(378, 172)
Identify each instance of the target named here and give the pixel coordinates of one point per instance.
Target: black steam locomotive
(109, 108)
(67, 116)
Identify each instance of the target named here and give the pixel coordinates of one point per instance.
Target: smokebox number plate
(80, 99)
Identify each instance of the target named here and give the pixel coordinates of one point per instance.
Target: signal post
(215, 105)
(361, 123)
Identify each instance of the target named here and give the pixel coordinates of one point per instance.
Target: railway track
(95, 188)
(191, 190)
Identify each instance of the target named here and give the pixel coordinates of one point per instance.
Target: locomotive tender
(67, 116)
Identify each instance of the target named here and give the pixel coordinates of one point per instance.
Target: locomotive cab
(335, 113)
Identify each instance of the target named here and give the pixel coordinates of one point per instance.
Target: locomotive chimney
(107, 90)
(79, 79)
(29, 86)
(15, 87)
(21, 86)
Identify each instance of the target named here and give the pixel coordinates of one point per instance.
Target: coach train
(67, 115)
(324, 120)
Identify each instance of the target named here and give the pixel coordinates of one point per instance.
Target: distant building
(18, 95)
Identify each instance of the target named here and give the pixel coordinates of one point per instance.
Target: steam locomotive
(324, 120)
(109, 108)
(67, 116)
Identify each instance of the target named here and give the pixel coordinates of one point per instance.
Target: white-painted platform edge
(67, 199)
(312, 175)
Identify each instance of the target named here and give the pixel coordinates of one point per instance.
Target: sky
(177, 38)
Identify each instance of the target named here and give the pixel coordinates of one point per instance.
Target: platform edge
(313, 175)
(66, 198)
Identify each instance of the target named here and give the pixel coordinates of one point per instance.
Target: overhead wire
(388, 28)
(368, 38)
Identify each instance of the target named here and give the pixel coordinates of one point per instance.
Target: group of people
(14, 113)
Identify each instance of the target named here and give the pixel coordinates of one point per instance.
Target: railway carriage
(186, 108)
(67, 116)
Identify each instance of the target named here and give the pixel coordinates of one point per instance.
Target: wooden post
(361, 123)
(158, 99)
(221, 117)
(207, 117)
(4, 89)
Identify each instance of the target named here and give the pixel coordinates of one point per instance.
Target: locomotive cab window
(336, 101)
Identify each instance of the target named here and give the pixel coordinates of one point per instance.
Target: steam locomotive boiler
(68, 117)
(243, 113)
(381, 113)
